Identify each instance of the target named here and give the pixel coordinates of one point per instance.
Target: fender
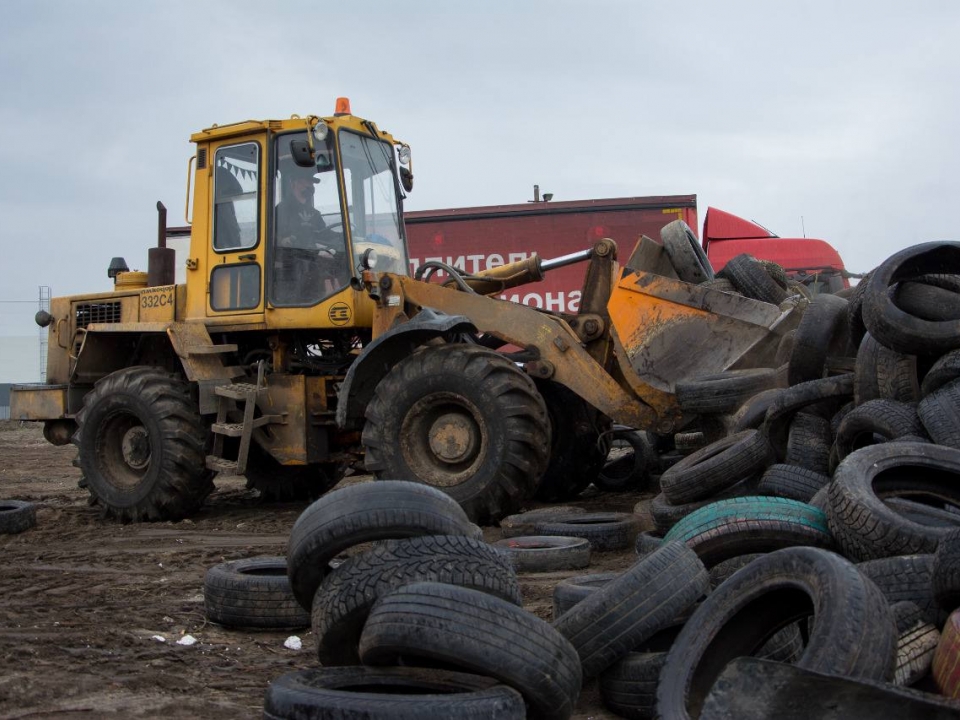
(386, 351)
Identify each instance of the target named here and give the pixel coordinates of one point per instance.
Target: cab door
(235, 253)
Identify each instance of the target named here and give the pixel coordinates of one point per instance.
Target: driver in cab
(299, 223)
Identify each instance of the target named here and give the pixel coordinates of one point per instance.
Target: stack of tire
(422, 619)
(828, 506)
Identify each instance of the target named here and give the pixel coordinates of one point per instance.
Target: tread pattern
(569, 592)
(402, 693)
(176, 483)
(865, 527)
(723, 392)
(515, 458)
(546, 553)
(791, 481)
(471, 630)
(252, 593)
(752, 279)
(906, 578)
(344, 598)
(16, 516)
(382, 510)
(646, 598)
(888, 419)
(744, 525)
(940, 414)
(716, 467)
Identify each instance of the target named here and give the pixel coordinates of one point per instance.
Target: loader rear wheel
(141, 446)
(289, 483)
(465, 420)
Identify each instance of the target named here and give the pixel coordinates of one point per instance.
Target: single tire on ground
(343, 600)
(645, 599)
(470, 630)
(16, 516)
(362, 513)
(545, 553)
(852, 633)
(141, 446)
(464, 419)
(252, 593)
(604, 531)
(400, 693)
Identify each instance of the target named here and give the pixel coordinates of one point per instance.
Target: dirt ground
(84, 601)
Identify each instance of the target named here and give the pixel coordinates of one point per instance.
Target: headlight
(320, 131)
(368, 261)
(404, 154)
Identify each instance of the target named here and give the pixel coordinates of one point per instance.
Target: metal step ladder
(230, 396)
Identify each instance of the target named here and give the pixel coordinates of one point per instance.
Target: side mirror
(406, 179)
(302, 156)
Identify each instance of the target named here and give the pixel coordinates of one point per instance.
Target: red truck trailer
(478, 238)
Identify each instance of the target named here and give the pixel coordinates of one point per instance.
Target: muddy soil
(91, 611)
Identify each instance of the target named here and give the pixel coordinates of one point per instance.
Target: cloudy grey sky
(843, 113)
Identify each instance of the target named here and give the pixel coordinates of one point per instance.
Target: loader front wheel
(465, 420)
(141, 446)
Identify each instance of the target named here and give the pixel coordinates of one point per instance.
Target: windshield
(310, 258)
(372, 203)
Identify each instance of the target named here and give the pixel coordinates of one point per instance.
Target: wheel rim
(124, 450)
(443, 439)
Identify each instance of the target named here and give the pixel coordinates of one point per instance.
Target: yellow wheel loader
(299, 344)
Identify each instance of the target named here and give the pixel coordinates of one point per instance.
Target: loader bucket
(672, 330)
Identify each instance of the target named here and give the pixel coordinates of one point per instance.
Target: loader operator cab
(326, 214)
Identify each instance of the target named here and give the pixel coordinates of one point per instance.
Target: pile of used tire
(804, 561)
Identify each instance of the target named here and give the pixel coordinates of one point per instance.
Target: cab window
(236, 207)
